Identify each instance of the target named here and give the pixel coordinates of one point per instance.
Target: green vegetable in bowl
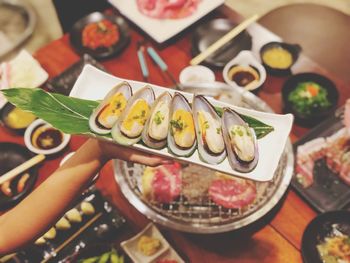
(107, 257)
(308, 98)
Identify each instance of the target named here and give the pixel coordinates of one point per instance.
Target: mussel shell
(230, 117)
(150, 142)
(124, 88)
(200, 103)
(145, 93)
(179, 102)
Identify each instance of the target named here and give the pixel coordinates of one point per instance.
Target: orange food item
(100, 34)
(313, 90)
(22, 182)
(6, 189)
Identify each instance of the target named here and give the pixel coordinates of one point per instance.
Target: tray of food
(322, 166)
(214, 134)
(174, 16)
(91, 219)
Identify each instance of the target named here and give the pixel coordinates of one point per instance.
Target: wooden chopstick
(21, 168)
(66, 242)
(223, 40)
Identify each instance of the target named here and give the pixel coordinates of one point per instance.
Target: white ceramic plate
(94, 84)
(165, 252)
(163, 29)
(25, 71)
(130, 246)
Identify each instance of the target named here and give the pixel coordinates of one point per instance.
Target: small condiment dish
(15, 119)
(196, 74)
(292, 49)
(33, 130)
(130, 246)
(244, 71)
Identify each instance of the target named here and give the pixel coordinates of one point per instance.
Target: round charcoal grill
(205, 216)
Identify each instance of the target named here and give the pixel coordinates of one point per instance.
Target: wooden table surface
(279, 240)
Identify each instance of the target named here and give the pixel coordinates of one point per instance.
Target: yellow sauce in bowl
(278, 58)
(19, 119)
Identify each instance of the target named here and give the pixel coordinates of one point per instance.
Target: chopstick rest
(21, 168)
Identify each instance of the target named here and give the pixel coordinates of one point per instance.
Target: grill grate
(205, 211)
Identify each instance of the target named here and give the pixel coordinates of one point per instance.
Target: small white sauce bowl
(245, 58)
(196, 74)
(31, 147)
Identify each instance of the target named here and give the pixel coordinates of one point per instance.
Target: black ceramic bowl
(101, 52)
(293, 49)
(317, 114)
(12, 155)
(4, 112)
(318, 229)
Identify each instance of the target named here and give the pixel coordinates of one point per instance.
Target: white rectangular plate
(94, 84)
(25, 71)
(163, 29)
(130, 246)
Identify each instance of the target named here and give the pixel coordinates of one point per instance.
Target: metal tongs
(142, 61)
(157, 60)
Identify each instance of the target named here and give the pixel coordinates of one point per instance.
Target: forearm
(45, 205)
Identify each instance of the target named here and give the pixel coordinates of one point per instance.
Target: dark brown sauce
(243, 75)
(243, 78)
(49, 138)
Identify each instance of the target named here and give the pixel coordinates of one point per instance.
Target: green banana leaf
(71, 115)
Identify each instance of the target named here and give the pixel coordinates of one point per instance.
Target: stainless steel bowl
(17, 24)
(207, 217)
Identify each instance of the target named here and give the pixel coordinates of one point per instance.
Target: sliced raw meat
(304, 173)
(338, 154)
(167, 8)
(232, 192)
(307, 154)
(163, 183)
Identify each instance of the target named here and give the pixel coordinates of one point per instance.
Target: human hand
(114, 151)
